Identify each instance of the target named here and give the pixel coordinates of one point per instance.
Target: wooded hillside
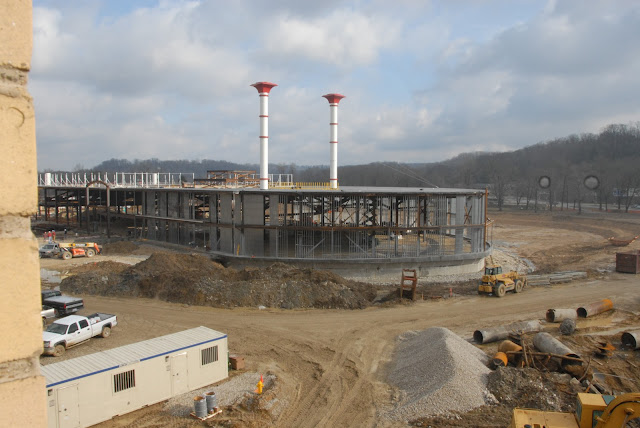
(602, 168)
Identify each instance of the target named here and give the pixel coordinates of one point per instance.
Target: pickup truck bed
(65, 305)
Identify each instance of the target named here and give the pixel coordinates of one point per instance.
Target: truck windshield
(57, 328)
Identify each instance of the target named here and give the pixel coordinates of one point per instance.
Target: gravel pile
(437, 373)
(229, 393)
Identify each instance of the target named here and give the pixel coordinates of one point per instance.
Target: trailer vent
(210, 355)
(124, 380)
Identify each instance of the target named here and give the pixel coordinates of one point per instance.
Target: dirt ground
(330, 365)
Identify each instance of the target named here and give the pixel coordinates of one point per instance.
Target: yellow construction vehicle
(495, 282)
(592, 411)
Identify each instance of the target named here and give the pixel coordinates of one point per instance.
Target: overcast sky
(423, 80)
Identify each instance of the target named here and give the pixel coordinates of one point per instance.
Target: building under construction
(345, 229)
(244, 217)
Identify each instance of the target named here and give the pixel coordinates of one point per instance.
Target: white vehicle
(46, 313)
(74, 330)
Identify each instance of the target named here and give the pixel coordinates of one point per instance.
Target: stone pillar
(21, 385)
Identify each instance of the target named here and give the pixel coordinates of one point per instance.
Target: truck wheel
(519, 286)
(66, 255)
(91, 252)
(501, 289)
(106, 331)
(58, 350)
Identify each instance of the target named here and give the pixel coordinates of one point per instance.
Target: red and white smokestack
(333, 99)
(263, 90)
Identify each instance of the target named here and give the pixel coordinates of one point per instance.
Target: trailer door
(179, 374)
(68, 409)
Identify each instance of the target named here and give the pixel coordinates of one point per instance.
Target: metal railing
(117, 179)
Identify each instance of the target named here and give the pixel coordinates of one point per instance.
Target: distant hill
(613, 156)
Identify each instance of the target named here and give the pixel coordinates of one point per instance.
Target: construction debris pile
(437, 372)
(195, 279)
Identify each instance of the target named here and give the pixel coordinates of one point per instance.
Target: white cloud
(344, 38)
(172, 80)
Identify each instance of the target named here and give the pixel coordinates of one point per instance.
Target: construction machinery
(78, 249)
(592, 411)
(496, 282)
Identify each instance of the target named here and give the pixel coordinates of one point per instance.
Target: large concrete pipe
(544, 342)
(502, 332)
(631, 339)
(559, 315)
(595, 308)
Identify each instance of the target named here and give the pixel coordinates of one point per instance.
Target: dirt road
(331, 364)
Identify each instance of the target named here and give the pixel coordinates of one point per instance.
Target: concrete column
(162, 212)
(173, 211)
(253, 208)
(22, 388)
(459, 221)
(149, 208)
(226, 233)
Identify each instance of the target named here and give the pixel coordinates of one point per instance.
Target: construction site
(348, 351)
(352, 306)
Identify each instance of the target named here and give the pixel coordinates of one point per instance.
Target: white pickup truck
(74, 330)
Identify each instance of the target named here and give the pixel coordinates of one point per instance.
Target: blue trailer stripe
(143, 359)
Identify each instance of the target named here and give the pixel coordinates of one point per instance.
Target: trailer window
(124, 380)
(209, 355)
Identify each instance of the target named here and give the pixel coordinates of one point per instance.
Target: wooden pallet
(210, 415)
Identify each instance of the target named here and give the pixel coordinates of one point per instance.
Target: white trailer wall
(93, 388)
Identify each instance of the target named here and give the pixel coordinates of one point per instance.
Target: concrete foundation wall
(21, 386)
(375, 270)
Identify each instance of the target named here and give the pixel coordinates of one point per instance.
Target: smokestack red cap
(333, 98)
(264, 86)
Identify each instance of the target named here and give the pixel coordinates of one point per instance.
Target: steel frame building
(348, 230)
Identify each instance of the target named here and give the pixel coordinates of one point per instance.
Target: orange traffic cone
(259, 386)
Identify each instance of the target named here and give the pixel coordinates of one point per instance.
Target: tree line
(602, 168)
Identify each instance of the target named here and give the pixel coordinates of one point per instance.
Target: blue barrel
(212, 401)
(200, 405)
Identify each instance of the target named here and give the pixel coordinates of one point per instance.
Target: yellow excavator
(495, 282)
(592, 411)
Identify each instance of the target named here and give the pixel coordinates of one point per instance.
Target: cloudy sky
(424, 80)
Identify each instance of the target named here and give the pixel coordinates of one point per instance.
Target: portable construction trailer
(93, 388)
